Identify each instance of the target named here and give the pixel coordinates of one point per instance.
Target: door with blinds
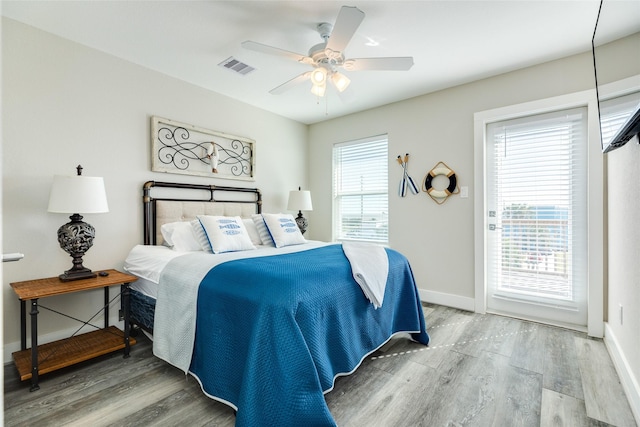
(536, 259)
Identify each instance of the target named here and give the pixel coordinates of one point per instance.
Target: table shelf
(69, 351)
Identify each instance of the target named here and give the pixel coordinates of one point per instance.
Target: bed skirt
(142, 310)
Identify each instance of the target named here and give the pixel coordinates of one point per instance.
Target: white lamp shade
(78, 194)
(300, 200)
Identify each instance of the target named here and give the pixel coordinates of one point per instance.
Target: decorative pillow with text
(283, 229)
(225, 233)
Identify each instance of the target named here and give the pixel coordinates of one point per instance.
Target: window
(360, 190)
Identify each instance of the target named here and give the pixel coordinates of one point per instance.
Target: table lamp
(77, 194)
(300, 200)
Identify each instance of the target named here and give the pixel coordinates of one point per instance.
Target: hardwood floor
(480, 370)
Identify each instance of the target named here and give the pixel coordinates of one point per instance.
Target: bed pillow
(263, 232)
(283, 229)
(179, 237)
(252, 231)
(225, 233)
(201, 236)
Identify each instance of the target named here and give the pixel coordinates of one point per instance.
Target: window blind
(537, 168)
(360, 190)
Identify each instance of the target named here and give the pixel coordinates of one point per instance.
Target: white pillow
(283, 229)
(226, 233)
(263, 232)
(201, 236)
(252, 231)
(179, 236)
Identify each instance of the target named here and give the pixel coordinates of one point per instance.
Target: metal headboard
(217, 194)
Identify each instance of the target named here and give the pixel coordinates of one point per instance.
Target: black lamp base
(75, 238)
(302, 222)
(70, 275)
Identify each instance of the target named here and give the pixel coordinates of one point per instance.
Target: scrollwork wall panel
(189, 150)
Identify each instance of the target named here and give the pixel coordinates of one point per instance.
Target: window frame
(382, 189)
(595, 188)
(542, 159)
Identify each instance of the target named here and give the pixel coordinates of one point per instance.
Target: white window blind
(360, 190)
(537, 208)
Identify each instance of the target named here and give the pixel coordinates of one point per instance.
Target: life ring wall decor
(440, 196)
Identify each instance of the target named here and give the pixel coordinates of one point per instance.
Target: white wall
(64, 104)
(622, 335)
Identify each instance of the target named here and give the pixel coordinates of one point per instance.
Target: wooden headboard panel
(166, 202)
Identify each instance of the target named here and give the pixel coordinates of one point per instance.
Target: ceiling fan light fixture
(332, 54)
(340, 81)
(319, 76)
(328, 57)
(318, 90)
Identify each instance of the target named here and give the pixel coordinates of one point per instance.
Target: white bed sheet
(147, 262)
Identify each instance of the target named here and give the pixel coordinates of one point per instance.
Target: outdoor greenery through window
(360, 190)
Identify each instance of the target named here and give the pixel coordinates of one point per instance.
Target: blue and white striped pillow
(200, 235)
(263, 232)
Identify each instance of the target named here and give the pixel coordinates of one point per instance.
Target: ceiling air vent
(233, 64)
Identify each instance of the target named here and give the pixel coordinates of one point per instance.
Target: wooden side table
(78, 348)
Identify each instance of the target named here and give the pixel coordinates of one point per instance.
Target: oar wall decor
(406, 181)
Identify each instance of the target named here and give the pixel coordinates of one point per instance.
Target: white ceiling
(452, 42)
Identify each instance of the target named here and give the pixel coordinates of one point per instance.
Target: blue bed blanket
(273, 333)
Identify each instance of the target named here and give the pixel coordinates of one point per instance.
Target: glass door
(537, 203)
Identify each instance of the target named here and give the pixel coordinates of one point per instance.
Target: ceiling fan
(328, 57)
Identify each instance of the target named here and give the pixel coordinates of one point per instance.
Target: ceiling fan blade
(263, 48)
(291, 83)
(401, 63)
(347, 22)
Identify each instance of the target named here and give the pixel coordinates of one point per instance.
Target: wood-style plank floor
(479, 370)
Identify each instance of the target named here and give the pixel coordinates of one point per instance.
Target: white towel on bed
(370, 267)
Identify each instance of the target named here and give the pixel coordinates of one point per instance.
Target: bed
(265, 330)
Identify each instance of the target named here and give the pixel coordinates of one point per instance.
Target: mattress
(147, 262)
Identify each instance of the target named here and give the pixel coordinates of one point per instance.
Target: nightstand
(77, 348)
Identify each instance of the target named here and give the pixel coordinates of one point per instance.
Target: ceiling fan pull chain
(326, 105)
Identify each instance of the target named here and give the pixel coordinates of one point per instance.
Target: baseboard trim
(629, 382)
(448, 300)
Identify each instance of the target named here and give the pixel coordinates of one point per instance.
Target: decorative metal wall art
(189, 150)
